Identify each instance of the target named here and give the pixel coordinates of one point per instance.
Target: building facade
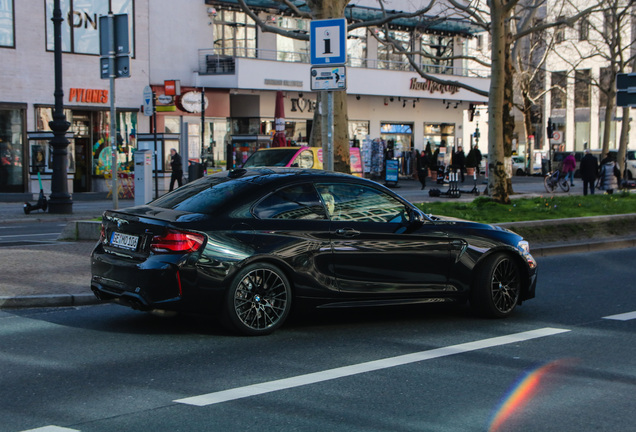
(227, 73)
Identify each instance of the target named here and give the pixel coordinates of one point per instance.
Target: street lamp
(60, 200)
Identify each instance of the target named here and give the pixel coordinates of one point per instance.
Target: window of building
(609, 24)
(7, 24)
(288, 49)
(234, 34)
(357, 47)
(80, 27)
(358, 131)
(584, 29)
(436, 53)
(12, 121)
(439, 134)
(582, 88)
(388, 58)
(559, 89)
(559, 31)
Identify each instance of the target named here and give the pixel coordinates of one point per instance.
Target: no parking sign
(557, 137)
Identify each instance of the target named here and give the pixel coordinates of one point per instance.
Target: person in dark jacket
(422, 168)
(459, 161)
(589, 170)
(177, 168)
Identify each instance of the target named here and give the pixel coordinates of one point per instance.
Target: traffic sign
(328, 40)
(328, 78)
(148, 103)
(626, 89)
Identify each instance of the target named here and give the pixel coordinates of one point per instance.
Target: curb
(48, 300)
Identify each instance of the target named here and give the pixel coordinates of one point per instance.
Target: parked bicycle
(554, 179)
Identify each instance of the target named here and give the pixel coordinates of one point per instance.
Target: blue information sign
(328, 41)
(392, 168)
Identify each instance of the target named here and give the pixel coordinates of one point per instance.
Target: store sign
(88, 95)
(432, 87)
(191, 102)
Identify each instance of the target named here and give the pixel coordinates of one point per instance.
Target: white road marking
(622, 317)
(316, 377)
(51, 429)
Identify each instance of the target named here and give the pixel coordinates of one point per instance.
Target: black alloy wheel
(497, 287)
(258, 301)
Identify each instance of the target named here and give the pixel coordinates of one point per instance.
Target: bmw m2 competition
(251, 244)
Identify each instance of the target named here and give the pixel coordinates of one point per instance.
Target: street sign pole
(113, 123)
(328, 48)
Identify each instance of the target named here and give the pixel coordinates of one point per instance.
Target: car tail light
(102, 233)
(177, 242)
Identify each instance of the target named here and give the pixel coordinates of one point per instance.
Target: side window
(360, 203)
(293, 202)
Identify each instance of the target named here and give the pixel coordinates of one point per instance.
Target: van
(301, 157)
(557, 159)
(630, 163)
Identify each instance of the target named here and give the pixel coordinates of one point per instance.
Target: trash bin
(545, 166)
(195, 171)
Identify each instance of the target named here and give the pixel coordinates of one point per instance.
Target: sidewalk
(59, 274)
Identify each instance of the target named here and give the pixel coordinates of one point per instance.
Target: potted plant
(473, 160)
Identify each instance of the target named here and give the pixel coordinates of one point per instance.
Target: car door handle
(347, 232)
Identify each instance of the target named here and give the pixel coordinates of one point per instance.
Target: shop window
(358, 131)
(11, 144)
(80, 28)
(7, 24)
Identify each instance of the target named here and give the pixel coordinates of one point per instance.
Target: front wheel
(496, 287)
(563, 183)
(258, 301)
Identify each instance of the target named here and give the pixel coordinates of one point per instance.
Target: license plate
(124, 241)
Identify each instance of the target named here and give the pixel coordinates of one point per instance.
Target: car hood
(463, 223)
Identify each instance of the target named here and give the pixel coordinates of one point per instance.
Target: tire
(547, 182)
(520, 172)
(563, 183)
(497, 287)
(259, 300)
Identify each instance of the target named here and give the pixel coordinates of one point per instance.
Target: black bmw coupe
(248, 245)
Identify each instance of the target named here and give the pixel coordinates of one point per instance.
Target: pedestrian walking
(569, 165)
(422, 168)
(177, 168)
(609, 175)
(589, 170)
(459, 161)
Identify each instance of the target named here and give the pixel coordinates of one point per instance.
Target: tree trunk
(497, 176)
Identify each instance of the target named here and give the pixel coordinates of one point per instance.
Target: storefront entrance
(83, 148)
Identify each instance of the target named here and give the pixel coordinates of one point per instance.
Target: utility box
(143, 177)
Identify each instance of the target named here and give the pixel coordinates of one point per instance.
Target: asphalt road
(563, 362)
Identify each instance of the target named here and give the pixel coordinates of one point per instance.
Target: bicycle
(554, 179)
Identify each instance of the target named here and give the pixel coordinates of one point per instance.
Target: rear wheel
(548, 183)
(258, 301)
(497, 287)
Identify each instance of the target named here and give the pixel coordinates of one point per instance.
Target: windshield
(265, 158)
(204, 196)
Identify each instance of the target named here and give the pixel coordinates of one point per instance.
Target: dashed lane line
(622, 317)
(341, 372)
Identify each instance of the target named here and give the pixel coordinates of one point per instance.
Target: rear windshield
(203, 196)
(265, 158)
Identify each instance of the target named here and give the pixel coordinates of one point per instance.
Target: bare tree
(608, 37)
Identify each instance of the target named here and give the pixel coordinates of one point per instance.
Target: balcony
(213, 63)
